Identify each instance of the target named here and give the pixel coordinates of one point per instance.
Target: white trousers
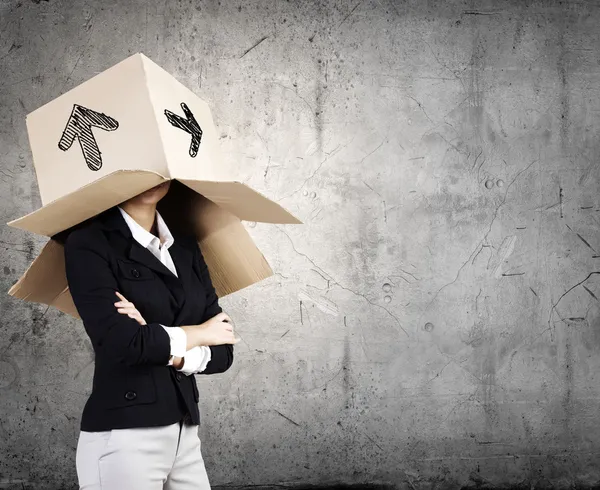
(149, 458)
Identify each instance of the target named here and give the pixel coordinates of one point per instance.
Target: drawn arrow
(79, 126)
(189, 125)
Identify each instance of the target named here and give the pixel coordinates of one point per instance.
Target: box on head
(118, 134)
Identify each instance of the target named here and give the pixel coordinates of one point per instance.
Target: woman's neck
(143, 214)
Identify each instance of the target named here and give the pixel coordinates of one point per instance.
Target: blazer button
(135, 273)
(178, 376)
(130, 395)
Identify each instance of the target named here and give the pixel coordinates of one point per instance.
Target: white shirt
(195, 359)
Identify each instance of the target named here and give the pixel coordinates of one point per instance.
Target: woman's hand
(216, 331)
(126, 307)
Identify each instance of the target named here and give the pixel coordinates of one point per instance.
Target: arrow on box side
(79, 126)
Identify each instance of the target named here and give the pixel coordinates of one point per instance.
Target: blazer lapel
(182, 258)
(112, 219)
(142, 255)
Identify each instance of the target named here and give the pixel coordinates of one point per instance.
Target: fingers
(124, 304)
(121, 297)
(123, 301)
(138, 319)
(227, 336)
(128, 311)
(128, 308)
(132, 313)
(222, 317)
(231, 340)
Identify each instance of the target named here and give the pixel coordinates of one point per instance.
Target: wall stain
(9, 373)
(561, 66)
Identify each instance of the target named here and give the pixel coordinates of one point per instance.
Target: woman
(147, 302)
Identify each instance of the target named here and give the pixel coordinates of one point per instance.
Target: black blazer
(133, 386)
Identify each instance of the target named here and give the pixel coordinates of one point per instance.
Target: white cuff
(195, 360)
(178, 342)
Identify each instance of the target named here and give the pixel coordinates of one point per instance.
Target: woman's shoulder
(88, 231)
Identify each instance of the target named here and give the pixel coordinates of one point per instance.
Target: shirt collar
(163, 231)
(143, 236)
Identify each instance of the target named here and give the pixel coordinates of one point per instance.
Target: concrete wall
(435, 323)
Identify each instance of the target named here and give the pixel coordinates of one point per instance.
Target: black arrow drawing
(79, 126)
(190, 125)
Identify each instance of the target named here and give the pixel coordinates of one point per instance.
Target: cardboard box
(120, 133)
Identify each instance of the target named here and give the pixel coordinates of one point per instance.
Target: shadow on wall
(440, 485)
(331, 486)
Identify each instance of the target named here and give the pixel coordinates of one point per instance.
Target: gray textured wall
(435, 323)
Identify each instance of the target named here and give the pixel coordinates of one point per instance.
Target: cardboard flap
(127, 130)
(45, 280)
(88, 201)
(233, 260)
(242, 201)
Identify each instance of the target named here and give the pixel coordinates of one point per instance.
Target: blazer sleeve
(221, 356)
(92, 285)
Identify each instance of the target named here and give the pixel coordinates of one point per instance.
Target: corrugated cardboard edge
(233, 259)
(48, 268)
(143, 60)
(229, 245)
(242, 201)
(87, 201)
(233, 245)
(98, 196)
